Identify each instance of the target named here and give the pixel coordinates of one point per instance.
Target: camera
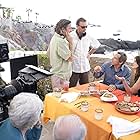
(7, 93)
(25, 82)
(25, 78)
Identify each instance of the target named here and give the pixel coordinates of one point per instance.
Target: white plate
(105, 97)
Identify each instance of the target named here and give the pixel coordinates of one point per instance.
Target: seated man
(69, 128)
(110, 69)
(24, 114)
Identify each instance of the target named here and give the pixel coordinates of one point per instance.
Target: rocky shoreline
(114, 45)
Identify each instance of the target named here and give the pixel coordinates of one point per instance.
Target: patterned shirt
(81, 48)
(59, 53)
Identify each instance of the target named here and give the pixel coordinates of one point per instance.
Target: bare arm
(136, 86)
(94, 45)
(130, 90)
(92, 51)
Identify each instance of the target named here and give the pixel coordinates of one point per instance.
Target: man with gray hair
(69, 128)
(24, 113)
(114, 67)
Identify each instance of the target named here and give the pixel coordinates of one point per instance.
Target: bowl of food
(127, 107)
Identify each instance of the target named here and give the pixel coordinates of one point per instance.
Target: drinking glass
(84, 106)
(92, 88)
(98, 113)
(57, 92)
(127, 98)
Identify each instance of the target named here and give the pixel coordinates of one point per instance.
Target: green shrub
(44, 85)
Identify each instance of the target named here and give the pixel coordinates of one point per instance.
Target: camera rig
(25, 82)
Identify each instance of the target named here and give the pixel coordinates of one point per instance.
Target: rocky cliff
(36, 37)
(26, 35)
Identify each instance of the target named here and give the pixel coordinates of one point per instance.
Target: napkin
(69, 97)
(122, 127)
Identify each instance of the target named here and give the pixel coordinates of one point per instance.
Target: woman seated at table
(135, 89)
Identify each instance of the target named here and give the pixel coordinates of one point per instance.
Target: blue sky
(111, 14)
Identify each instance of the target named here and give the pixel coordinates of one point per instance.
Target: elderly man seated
(69, 128)
(24, 113)
(110, 69)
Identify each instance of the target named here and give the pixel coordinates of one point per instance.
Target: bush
(44, 85)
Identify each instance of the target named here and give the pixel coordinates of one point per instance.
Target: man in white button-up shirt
(83, 46)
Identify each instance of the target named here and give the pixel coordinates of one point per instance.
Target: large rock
(101, 49)
(11, 44)
(119, 44)
(29, 36)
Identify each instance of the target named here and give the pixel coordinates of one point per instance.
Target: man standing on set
(83, 46)
(60, 52)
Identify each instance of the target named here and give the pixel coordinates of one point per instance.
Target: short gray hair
(69, 127)
(24, 110)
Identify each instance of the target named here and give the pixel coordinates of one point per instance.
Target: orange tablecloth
(97, 130)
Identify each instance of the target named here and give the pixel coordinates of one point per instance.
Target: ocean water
(107, 32)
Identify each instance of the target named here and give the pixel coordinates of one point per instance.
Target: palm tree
(3, 11)
(18, 18)
(9, 12)
(12, 12)
(28, 11)
(36, 16)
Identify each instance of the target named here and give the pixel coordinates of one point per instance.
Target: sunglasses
(83, 27)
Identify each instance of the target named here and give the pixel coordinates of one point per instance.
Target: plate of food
(101, 92)
(108, 97)
(127, 107)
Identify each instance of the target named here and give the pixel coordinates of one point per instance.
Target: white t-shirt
(81, 48)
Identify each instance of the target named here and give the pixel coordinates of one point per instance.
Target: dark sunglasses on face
(83, 27)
